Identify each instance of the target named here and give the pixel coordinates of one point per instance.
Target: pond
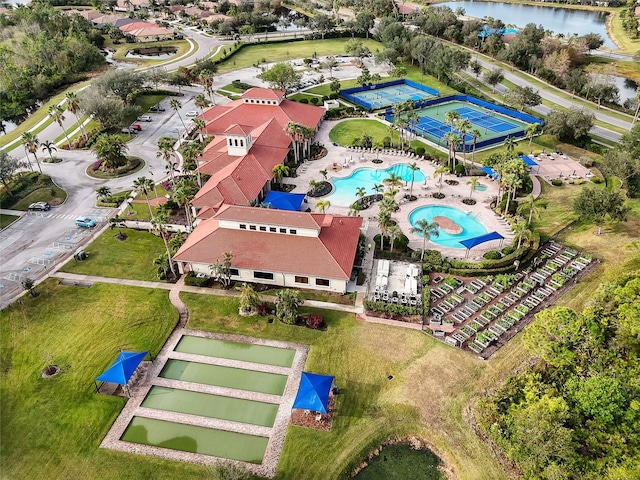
(558, 20)
(627, 88)
(152, 52)
(401, 462)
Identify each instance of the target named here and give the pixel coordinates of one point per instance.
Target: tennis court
(383, 95)
(491, 125)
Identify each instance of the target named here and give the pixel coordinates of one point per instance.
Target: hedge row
(391, 308)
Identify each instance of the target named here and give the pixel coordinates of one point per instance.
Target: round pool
(480, 187)
(344, 189)
(469, 226)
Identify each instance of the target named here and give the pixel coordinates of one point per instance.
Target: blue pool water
(480, 187)
(471, 227)
(344, 189)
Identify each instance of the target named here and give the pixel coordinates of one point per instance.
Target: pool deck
(148, 376)
(349, 159)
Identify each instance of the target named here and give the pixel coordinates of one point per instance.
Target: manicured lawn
(278, 52)
(122, 49)
(324, 89)
(145, 102)
(559, 212)
(431, 386)
(344, 133)
(52, 428)
(47, 192)
(6, 220)
(132, 258)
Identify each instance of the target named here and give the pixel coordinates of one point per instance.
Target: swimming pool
(471, 226)
(480, 187)
(344, 189)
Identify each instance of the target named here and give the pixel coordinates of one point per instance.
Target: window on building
(243, 226)
(293, 231)
(234, 272)
(301, 279)
(283, 230)
(252, 227)
(263, 275)
(273, 229)
(263, 229)
(241, 142)
(323, 282)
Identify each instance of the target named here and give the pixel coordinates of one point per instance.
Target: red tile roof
(236, 129)
(265, 93)
(136, 25)
(267, 215)
(333, 250)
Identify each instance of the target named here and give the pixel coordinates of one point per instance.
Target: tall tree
(176, 106)
(165, 151)
(322, 205)
(159, 224)
(8, 167)
(426, 230)
(599, 204)
(287, 304)
(56, 112)
(279, 172)
(532, 206)
(281, 76)
(494, 77)
(31, 144)
(531, 131)
(414, 168)
(145, 185)
(49, 147)
(73, 105)
(475, 135)
(472, 182)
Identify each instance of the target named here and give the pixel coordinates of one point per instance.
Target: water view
(558, 20)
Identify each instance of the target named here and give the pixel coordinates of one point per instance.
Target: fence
(348, 93)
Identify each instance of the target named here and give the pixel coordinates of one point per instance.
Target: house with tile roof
(274, 247)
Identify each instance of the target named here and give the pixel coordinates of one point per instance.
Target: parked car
(86, 222)
(157, 108)
(128, 130)
(39, 207)
(144, 118)
(192, 113)
(136, 126)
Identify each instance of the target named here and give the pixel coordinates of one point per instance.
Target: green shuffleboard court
(246, 352)
(212, 406)
(224, 376)
(194, 439)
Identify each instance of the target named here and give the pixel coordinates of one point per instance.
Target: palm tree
(360, 192)
(249, 298)
(413, 167)
(183, 195)
(393, 232)
(31, 144)
(392, 180)
(414, 117)
(200, 124)
(426, 230)
(73, 105)
(324, 174)
(377, 188)
(384, 222)
(118, 222)
(452, 139)
(159, 224)
(532, 205)
(145, 184)
(306, 134)
(279, 172)
(521, 229)
(510, 144)
(463, 126)
(103, 192)
(206, 77)
(293, 129)
(476, 135)
(531, 131)
(473, 181)
(322, 205)
(509, 180)
(176, 106)
(201, 102)
(111, 150)
(50, 147)
(451, 117)
(441, 171)
(165, 151)
(57, 113)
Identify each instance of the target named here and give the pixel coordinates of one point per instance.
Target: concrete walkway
(15, 213)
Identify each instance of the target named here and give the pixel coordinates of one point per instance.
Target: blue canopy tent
(284, 201)
(122, 368)
(529, 161)
(313, 392)
(469, 243)
(490, 172)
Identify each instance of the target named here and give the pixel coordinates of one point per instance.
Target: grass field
(51, 428)
(122, 49)
(6, 220)
(278, 52)
(132, 258)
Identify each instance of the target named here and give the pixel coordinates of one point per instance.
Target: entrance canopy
(313, 392)
(121, 370)
(284, 201)
(472, 242)
(526, 159)
(490, 172)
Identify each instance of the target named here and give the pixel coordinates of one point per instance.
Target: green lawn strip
(141, 212)
(347, 299)
(6, 220)
(232, 88)
(325, 89)
(559, 211)
(344, 133)
(413, 74)
(431, 386)
(277, 52)
(146, 101)
(300, 95)
(626, 43)
(52, 428)
(54, 195)
(132, 258)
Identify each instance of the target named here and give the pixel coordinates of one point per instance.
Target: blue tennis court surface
(485, 120)
(387, 96)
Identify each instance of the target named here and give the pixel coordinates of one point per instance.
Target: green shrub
(596, 180)
(420, 151)
(333, 96)
(459, 170)
(509, 249)
(193, 281)
(304, 100)
(391, 308)
(314, 100)
(426, 298)
(556, 182)
(492, 255)
(426, 279)
(360, 278)
(401, 242)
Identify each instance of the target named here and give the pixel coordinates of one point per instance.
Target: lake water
(558, 20)
(626, 87)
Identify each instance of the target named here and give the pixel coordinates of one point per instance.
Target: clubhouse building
(270, 246)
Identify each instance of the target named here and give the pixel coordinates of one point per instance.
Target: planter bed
(476, 348)
(460, 338)
(504, 323)
(467, 332)
(497, 330)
